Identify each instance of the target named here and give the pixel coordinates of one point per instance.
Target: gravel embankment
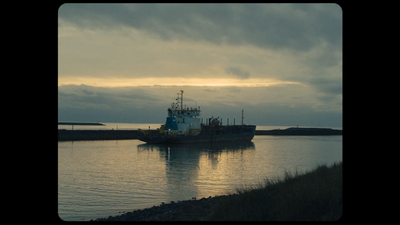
(189, 210)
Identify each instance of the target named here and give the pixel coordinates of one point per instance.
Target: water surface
(102, 178)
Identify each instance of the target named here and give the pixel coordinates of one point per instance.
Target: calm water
(102, 178)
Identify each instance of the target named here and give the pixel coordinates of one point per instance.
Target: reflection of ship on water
(208, 146)
(183, 126)
(190, 169)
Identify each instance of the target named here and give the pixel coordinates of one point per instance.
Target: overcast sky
(281, 63)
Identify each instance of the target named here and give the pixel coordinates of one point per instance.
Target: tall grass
(312, 196)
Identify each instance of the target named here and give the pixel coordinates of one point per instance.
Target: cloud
(328, 85)
(273, 105)
(287, 42)
(238, 72)
(298, 27)
(85, 96)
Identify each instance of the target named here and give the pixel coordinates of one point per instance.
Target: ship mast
(179, 100)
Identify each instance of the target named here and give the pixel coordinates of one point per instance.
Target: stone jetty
(80, 135)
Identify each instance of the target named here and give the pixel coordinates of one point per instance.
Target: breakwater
(300, 131)
(80, 135)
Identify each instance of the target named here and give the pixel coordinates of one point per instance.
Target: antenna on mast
(242, 117)
(181, 99)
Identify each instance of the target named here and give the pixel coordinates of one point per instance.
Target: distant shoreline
(81, 135)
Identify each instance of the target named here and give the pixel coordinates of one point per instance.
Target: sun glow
(172, 81)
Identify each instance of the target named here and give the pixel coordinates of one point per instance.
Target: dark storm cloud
(297, 27)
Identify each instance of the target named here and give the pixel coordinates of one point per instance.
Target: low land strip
(80, 135)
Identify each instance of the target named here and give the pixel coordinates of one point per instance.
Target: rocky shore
(312, 196)
(189, 210)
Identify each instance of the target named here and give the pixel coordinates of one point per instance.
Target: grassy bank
(313, 196)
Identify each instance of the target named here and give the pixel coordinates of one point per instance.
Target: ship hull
(209, 138)
(197, 139)
(203, 137)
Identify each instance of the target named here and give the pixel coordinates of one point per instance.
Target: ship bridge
(182, 118)
(189, 112)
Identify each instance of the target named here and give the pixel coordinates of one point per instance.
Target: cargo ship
(183, 126)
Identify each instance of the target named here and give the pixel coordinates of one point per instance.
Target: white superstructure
(182, 120)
